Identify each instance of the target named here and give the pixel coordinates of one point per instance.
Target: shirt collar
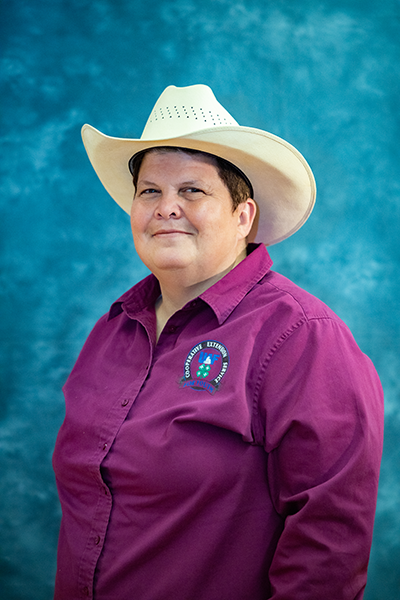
(142, 296)
(222, 297)
(225, 295)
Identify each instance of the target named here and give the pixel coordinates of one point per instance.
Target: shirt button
(125, 401)
(86, 590)
(172, 328)
(105, 446)
(97, 540)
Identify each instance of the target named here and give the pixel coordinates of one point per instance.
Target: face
(182, 220)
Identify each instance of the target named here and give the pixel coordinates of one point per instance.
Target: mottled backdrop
(322, 74)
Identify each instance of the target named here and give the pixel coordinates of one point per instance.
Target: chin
(168, 264)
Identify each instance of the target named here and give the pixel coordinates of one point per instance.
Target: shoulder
(279, 308)
(294, 331)
(284, 293)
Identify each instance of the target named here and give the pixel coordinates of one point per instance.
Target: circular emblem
(205, 366)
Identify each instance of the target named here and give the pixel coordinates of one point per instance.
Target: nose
(168, 206)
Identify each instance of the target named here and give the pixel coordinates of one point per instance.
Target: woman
(223, 431)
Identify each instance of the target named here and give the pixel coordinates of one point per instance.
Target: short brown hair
(235, 180)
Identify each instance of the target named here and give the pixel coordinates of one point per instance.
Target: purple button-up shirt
(235, 459)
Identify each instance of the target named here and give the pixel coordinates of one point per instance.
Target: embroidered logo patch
(205, 366)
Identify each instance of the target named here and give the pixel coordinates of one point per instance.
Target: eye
(192, 190)
(148, 192)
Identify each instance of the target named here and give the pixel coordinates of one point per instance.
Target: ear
(246, 214)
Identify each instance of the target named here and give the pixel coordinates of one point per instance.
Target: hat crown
(181, 111)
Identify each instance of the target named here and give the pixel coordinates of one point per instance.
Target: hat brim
(283, 183)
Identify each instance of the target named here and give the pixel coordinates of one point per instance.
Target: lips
(167, 232)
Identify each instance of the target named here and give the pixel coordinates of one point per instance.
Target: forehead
(178, 158)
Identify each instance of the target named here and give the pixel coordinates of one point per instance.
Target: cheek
(133, 223)
(218, 225)
(207, 219)
(138, 219)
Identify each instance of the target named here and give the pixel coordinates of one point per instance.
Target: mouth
(170, 232)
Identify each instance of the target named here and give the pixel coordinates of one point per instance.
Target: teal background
(324, 75)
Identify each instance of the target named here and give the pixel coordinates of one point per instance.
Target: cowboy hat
(191, 117)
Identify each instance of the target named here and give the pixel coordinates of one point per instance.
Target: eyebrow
(194, 182)
(146, 182)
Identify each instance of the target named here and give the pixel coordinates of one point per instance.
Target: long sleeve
(321, 408)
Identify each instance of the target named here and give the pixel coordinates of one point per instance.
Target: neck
(175, 292)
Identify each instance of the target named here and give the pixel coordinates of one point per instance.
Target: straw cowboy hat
(191, 117)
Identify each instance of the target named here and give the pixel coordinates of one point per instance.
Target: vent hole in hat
(190, 112)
